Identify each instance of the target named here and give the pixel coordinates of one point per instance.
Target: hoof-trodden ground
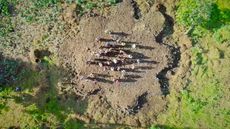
(138, 97)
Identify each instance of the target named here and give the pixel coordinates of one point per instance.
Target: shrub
(8, 71)
(204, 16)
(4, 7)
(194, 12)
(225, 10)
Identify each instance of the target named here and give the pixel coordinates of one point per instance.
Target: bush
(194, 12)
(225, 10)
(208, 14)
(4, 7)
(205, 17)
(8, 71)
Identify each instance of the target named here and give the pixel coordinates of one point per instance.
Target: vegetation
(88, 5)
(8, 72)
(43, 11)
(18, 92)
(7, 10)
(4, 7)
(7, 7)
(223, 34)
(37, 10)
(194, 12)
(198, 104)
(6, 26)
(201, 17)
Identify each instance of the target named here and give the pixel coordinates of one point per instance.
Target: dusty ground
(139, 97)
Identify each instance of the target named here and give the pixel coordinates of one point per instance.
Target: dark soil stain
(163, 80)
(175, 52)
(136, 10)
(169, 23)
(141, 100)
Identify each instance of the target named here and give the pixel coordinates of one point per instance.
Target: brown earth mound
(138, 97)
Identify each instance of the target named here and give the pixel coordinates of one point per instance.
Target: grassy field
(204, 101)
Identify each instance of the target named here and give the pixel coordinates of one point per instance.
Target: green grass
(4, 7)
(223, 34)
(59, 112)
(38, 8)
(7, 7)
(208, 14)
(204, 100)
(4, 94)
(201, 103)
(40, 11)
(194, 12)
(32, 110)
(37, 114)
(6, 26)
(15, 73)
(73, 124)
(85, 6)
(47, 111)
(9, 71)
(43, 11)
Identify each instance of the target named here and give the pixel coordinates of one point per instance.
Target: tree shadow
(35, 86)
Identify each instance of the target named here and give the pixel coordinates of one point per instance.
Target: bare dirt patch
(139, 96)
